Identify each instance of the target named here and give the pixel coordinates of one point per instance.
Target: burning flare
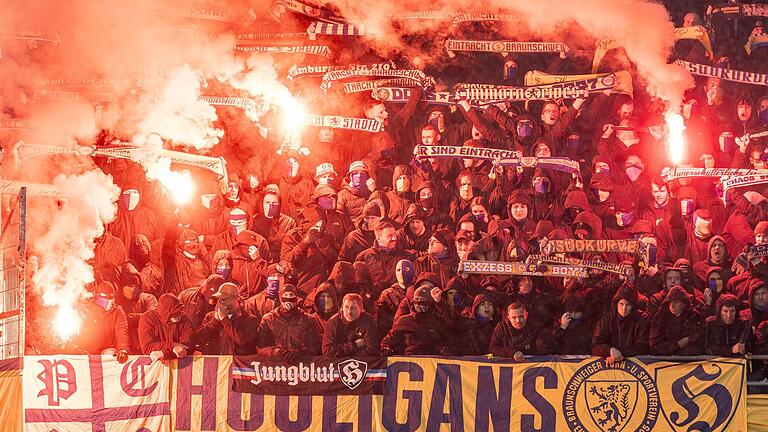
(675, 140)
(67, 321)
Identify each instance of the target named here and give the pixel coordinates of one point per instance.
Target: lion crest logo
(611, 403)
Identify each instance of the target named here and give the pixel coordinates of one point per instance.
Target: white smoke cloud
(67, 242)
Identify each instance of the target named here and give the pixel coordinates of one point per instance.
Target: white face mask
(288, 305)
(130, 199)
(400, 184)
(207, 200)
(189, 255)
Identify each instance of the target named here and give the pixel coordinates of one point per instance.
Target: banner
(310, 376)
(622, 80)
(698, 33)
(520, 269)
(420, 394)
(669, 174)
(725, 73)
(502, 47)
(339, 122)
(85, 393)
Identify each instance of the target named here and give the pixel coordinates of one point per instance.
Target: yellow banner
(623, 80)
(80, 393)
(426, 394)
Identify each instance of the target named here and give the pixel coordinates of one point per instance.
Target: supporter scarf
(505, 157)
(319, 50)
(758, 250)
(756, 42)
(361, 86)
(402, 95)
(237, 102)
(594, 246)
(501, 46)
(387, 71)
(18, 124)
(32, 189)
(745, 180)
(67, 96)
(304, 8)
(698, 33)
(31, 35)
(553, 163)
(335, 29)
(207, 14)
(124, 150)
(468, 17)
(725, 73)
(431, 15)
(602, 47)
(621, 85)
(520, 269)
(464, 152)
(311, 70)
(339, 122)
(260, 37)
(570, 90)
(744, 10)
(669, 174)
(621, 269)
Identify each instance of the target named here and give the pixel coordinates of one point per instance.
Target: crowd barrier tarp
(10, 395)
(80, 393)
(757, 413)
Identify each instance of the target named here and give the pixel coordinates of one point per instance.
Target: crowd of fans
(357, 253)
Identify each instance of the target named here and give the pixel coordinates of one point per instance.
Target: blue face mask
(480, 217)
(714, 286)
(729, 144)
(524, 130)
(326, 203)
(273, 285)
(573, 142)
(542, 186)
(102, 302)
(687, 207)
(458, 301)
(224, 272)
(358, 180)
(763, 116)
(627, 218)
